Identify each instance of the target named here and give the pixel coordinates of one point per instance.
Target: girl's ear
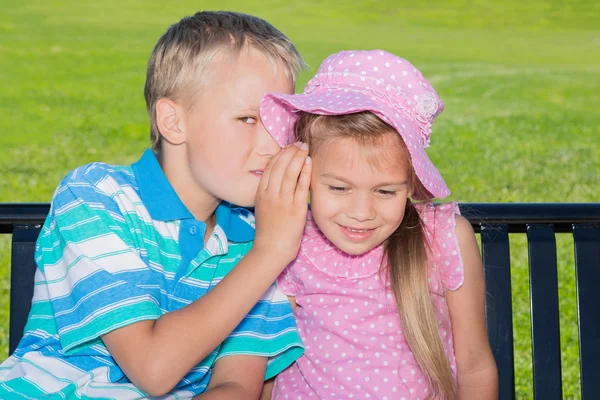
(416, 188)
(169, 120)
(413, 182)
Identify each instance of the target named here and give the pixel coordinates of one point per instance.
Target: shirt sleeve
(269, 330)
(87, 259)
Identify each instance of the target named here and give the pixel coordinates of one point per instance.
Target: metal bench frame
(494, 221)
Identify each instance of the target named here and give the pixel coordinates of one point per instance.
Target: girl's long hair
(406, 250)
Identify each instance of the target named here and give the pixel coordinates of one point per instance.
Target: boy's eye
(338, 189)
(386, 193)
(247, 120)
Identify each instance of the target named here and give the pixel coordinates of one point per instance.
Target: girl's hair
(406, 249)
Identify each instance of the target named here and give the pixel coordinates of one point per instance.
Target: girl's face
(359, 193)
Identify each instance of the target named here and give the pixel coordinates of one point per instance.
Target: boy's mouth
(257, 172)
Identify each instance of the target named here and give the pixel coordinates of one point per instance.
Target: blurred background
(520, 81)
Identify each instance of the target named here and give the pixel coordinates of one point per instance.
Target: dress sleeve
(449, 261)
(269, 330)
(287, 281)
(86, 259)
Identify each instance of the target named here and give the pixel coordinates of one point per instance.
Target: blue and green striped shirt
(119, 247)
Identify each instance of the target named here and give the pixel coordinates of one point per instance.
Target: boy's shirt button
(193, 230)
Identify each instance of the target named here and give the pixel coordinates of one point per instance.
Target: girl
(388, 293)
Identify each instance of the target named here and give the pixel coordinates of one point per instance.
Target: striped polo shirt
(118, 247)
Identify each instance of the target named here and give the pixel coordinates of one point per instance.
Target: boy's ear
(169, 120)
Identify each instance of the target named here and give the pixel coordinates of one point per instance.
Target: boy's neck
(199, 203)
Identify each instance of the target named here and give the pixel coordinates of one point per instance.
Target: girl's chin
(355, 249)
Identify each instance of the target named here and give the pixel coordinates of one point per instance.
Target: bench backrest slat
(545, 324)
(587, 265)
(21, 280)
(496, 261)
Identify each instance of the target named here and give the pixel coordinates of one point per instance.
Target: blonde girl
(387, 288)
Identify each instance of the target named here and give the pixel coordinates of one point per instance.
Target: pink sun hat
(377, 81)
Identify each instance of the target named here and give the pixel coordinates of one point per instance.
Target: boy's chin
(242, 201)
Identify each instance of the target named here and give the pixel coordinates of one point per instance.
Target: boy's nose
(266, 144)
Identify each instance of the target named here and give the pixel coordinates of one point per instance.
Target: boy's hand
(236, 377)
(282, 203)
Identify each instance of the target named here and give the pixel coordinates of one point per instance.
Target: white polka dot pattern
(377, 81)
(355, 348)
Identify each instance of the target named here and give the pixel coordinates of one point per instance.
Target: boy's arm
(477, 376)
(268, 385)
(236, 377)
(156, 355)
(267, 389)
(292, 301)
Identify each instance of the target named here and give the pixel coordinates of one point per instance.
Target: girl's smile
(356, 235)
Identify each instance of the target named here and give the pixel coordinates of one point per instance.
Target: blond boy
(136, 292)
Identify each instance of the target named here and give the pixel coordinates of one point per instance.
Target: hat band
(419, 110)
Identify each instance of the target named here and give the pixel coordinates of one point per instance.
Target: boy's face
(358, 201)
(227, 145)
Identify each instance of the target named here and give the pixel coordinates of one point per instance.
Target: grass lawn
(520, 80)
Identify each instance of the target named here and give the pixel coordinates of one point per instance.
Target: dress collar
(332, 261)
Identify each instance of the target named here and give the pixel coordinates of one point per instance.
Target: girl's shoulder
(432, 214)
(439, 222)
(439, 225)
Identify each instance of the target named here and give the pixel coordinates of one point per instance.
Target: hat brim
(279, 113)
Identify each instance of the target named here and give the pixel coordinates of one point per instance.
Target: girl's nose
(362, 207)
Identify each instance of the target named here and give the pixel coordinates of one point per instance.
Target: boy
(136, 292)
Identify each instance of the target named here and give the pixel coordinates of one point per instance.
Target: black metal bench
(494, 222)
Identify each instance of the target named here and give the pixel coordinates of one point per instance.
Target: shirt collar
(163, 203)
(236, 222)
(156, 191)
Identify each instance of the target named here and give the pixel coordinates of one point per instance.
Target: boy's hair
(406, 249)
(179, 61)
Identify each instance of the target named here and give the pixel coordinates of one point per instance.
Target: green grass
(520, 81)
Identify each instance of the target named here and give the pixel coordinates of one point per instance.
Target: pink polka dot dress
(348, 321)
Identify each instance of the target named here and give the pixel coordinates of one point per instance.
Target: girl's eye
(247, 120)
(386, 193)
(337, 189)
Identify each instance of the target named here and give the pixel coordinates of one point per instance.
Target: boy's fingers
(279, 167)
(292, 173)
(301, 195)
(264, 179)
